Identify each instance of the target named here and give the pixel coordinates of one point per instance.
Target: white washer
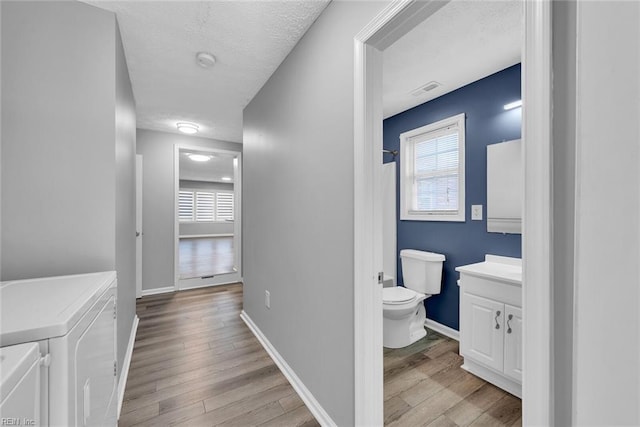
(72, 319)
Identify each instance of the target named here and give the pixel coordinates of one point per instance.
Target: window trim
(406, 172)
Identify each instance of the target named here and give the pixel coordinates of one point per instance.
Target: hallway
(196, 363)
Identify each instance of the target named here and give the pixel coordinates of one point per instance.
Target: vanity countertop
(505, 269)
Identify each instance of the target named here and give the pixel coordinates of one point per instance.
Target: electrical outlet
(476, 212)
(267, 299)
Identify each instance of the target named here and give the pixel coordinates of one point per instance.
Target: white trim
(407, 170)
(307, 397)
(217, 280)
(139, 226)
(395, 20)
(442, 329)
(197, 236)
(180, 284)
(368, 363)
(155, 291)
(537, 252)
(124, 369)
(399, 17)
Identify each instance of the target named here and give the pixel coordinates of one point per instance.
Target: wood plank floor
(424, 385)
(205, 256)
(196, 363)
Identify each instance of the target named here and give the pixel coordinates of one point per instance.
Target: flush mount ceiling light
(512, 105)
(199, 157)
(226, 178)
(205, 59)
(188, 128)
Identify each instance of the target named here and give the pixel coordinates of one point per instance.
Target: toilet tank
(422, 271)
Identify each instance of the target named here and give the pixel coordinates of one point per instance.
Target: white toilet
(403, 308)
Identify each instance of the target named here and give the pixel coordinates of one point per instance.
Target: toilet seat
(397, 295)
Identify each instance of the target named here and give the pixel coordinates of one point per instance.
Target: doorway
(207, 217)
(390, 25)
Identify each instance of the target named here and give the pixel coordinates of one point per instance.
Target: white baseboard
(312, 404)
(442, 329)
(198, 236)
(124, 369)
(155, 291)
(197, 283)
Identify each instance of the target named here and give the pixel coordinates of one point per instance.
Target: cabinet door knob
(508, 325)
(496, 319)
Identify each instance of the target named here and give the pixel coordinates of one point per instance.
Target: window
(205, 206)
(432, 175)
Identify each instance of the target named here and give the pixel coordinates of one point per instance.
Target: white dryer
(72, 319)
(20, 384)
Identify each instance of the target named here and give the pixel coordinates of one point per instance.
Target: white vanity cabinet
(491, 321)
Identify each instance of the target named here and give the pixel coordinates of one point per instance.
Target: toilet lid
(397, 295)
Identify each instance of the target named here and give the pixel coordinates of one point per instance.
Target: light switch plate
(476, 212)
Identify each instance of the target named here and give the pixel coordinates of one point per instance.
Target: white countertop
(37, 309)
(501, 268)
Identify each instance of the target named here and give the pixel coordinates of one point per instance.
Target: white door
(138, 226)
(513, 342)
(482, 325)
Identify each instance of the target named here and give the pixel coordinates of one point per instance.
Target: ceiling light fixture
(512, 105)
(188, 128)
(226, 178)
(199, 157)
(205, 59)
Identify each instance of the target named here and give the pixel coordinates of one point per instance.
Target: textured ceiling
(211, 171)
(461, 43)
(248, 38)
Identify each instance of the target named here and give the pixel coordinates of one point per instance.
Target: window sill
(432, 217)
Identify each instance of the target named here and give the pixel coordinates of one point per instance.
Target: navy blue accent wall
(461, 242)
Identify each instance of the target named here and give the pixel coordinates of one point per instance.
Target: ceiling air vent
(425, 88)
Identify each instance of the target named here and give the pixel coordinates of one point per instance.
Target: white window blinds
(436, 172)
(224, 206)
(185, 206)
(205, 206)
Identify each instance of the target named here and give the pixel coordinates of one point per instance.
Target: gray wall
(157, 149)
(68, 139)
(298, 241)
(125, 198)
(58, 163)
(199, 228)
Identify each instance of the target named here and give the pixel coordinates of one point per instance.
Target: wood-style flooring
(205, 256)
(424, 385)
(195, 363)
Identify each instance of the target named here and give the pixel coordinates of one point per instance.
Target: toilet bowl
(403, 308)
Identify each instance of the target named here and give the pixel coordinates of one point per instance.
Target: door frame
(395, 20)
(139, 225)
(221, 279)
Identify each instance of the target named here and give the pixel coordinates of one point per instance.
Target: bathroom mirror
(505, 187)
